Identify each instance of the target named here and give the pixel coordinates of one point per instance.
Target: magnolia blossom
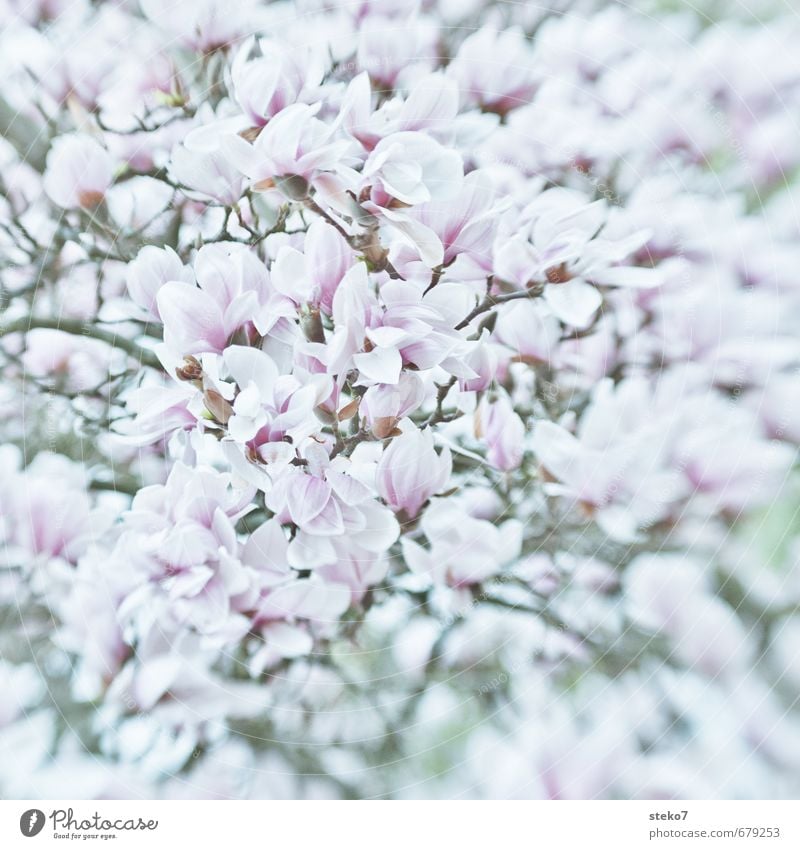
(670, 595)
(231, 283)
(199, 163)
(47, 509)
(625, 475)
(388, 45)
(289, 153)
(383, 404)
(266, 84)
(372, 370)
(463, 550)
(79, 172)
(503, 430)
(495, 69)
(565, 250)
(407, 167)
(203, 26)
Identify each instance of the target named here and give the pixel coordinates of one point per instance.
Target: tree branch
(491, 301)
(24, 135)
(77, 327)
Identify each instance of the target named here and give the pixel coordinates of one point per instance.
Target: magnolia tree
(392, 389)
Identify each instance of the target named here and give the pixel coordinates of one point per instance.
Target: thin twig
(491, 301)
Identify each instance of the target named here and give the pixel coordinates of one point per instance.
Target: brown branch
(491, 301)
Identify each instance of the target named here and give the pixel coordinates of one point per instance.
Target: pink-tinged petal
(192, 320)
(290, 275)
(187, 544)
(242, 429)
(410, 471)
(431, 104)
(328, 258)
(306, 497)
(347, 488)
(208, 173)
(308, 552)
(152, 269)
(242, 309)
(328, 522)
(403, 180)
(418, 236)
(189, 584)
(515, 261)
(79, 171)
(360, 572)
(243, 157)
(352, 300)
(285, 130)
(353, 520)
(355, 108)
(224, 530)
(504, 432)
(389, 337)
(226, 269)
(417, 558)
(565, 212)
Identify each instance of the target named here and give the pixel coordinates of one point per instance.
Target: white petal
(574, 302)
(381, 365)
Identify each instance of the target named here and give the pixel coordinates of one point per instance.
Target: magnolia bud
(410, 471)
(481, 358)
(503, 431)
(191, 370)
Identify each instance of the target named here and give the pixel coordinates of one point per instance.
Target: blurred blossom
(504, 432)
(79, 172)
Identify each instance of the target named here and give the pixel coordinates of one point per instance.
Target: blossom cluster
(392, 386)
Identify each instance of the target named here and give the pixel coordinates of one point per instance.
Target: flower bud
(482, 359)
(410, 471)
(191, 371)
(503, 431)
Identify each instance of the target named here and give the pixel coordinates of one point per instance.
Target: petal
(306, 497)
(249, 365)
(574, 302)
(381, 365)
(556, 448)
(192, 320)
